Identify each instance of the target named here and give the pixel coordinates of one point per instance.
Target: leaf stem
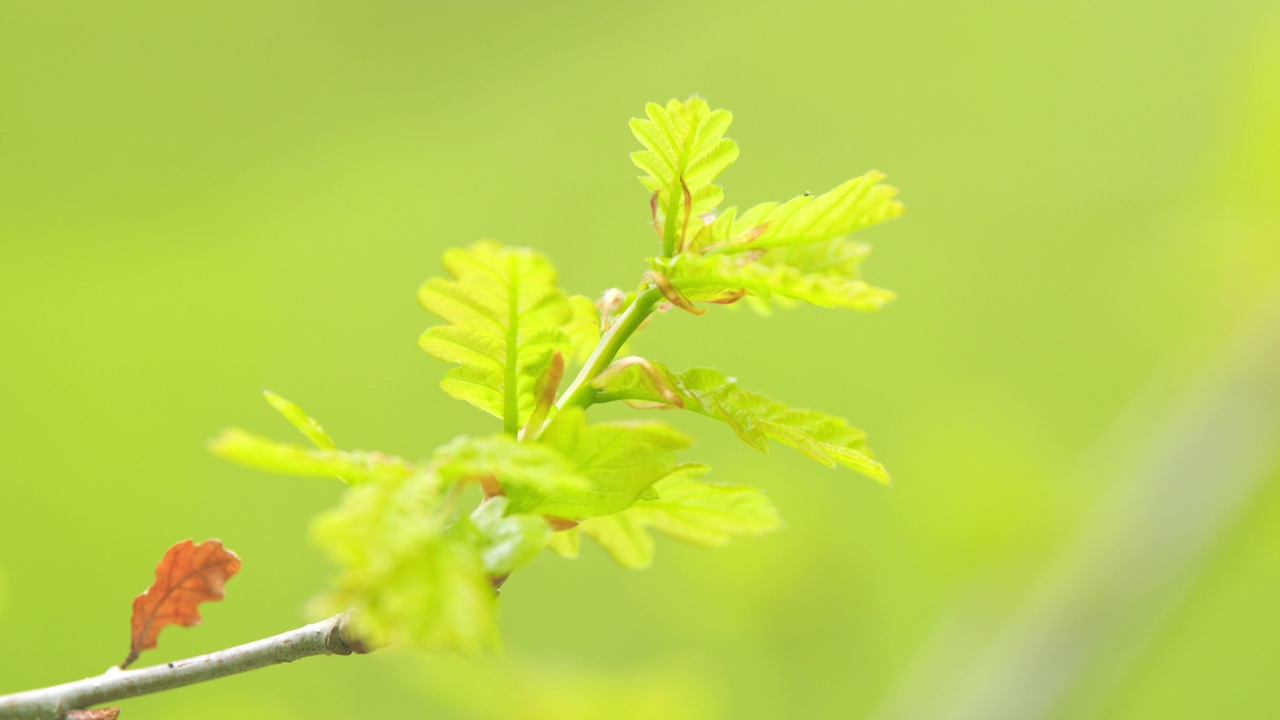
(54, 703)
(580, 393)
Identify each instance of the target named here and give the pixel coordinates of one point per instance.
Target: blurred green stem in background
(1174, 496)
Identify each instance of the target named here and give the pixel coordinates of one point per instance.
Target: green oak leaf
(685, 509)
(583, 327)
(411, 578)
(304, 423)
(727, 278)
(753, 417)
(527, 473)
(507, 541)
(620, 459)
(353, 467)
(861, 202)
(685, 150)
(505, 317)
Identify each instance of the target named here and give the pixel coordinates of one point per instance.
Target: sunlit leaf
(856, 204)
(527, 473)
(753, 417)
(583, 327)
(353, 467)
(621, 460)
(505, 316)
(838, 257)
(507, 541)
(566, 543)
(411, 578)
(726, 278)
(687, 510)
(685, 151)
(623, 536)
(305, 424)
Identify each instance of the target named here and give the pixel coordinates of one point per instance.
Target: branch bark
(328, 637)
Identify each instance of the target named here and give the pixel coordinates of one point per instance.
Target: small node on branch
(343, 639)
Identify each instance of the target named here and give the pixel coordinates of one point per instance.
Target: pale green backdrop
(200, 200)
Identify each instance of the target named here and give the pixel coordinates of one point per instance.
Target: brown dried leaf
(188, 575)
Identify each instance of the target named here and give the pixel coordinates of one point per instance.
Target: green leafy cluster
(416, 566)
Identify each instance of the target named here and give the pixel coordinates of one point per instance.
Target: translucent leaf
(724, 278)
(301, 420)
(507, 541)
(685, 150)
(753, 417)
(505, 316)
(838, 257)
(856, 204)
(623, 536)
(527, 473)
(621, 461)
(412, 580)
(566, 543)
(583, 328)
(687, 510)
(704, 514)
(353, 467)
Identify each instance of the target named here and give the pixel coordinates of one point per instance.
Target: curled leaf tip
(688, 212)
(672, 293)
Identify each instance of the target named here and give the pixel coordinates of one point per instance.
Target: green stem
(580, 393)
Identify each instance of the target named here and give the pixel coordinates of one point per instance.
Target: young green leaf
(352, 467)
(856, 204)
(621, 461)
(507, 541)
(726, 278)
(685, 151)
(687, 510)
(583, 328)
(838, 257)
(505, 315)
(753, 417)
(566, 543)
(305, 424)
(526, 473)
(411, 579)
(623, 536)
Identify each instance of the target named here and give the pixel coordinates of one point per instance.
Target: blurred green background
(200, 200)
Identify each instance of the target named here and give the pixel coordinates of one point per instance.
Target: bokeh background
(1076, 391)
